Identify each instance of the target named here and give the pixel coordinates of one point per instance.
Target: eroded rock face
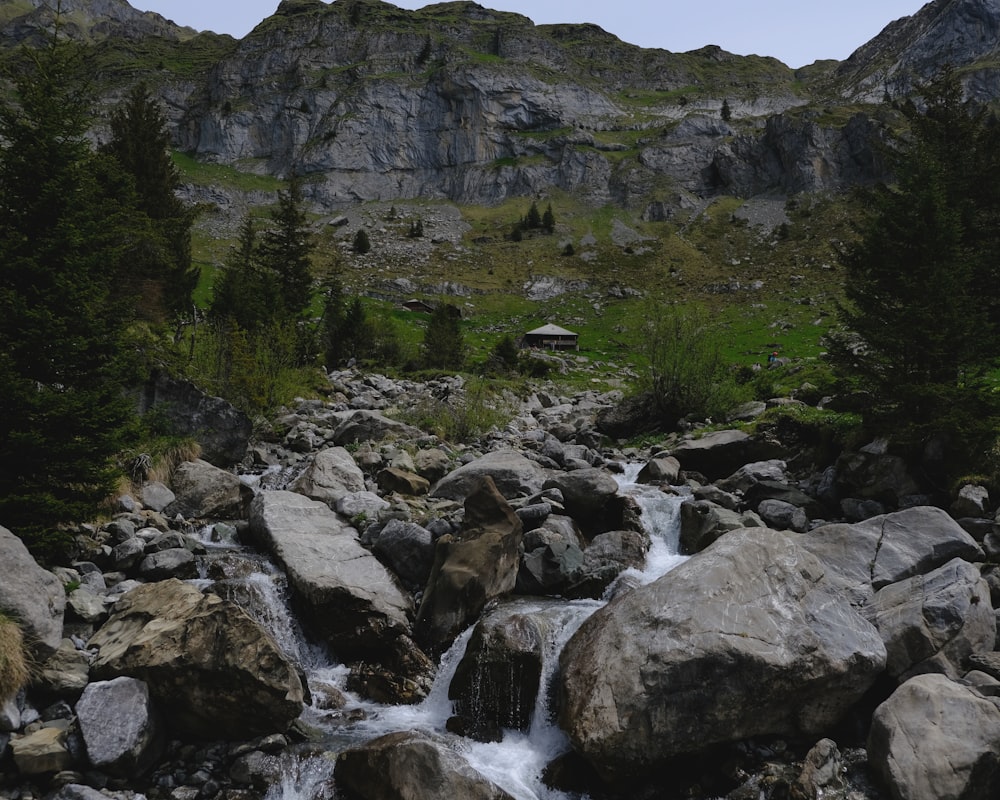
(211, 669)
(471, 568)
(935, 738)
(744, 639)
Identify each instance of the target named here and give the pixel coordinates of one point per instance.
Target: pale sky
(797, 32)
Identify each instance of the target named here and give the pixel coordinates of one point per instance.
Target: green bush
(462, 417)
(688, 374)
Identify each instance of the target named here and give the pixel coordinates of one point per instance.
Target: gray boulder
(156, 496)
(408, 549)
(934, 738)
(370, 426)
(222, 431)
(749, 474)
(348, 598)
(121, 729)
(744, 639)
(783, 516)
(330, 475)
(211, 669)
(933, 622)
(720, 453)
(206, 492)
(471, 568)
(663, 469)
(865, 556)
(32, 595)
(587, 497)
(702, 522)
(176, 562)
(972, 501)
(411, 765)
(511, 473)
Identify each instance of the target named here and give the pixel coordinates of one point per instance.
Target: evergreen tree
(65, 238)
(533, 220)
(286, 251)
(246, 293)
(140, 143)
(443, 346)
(362, 244)
(921, 285)
(332, 328)
(548, 219)
(727, 112)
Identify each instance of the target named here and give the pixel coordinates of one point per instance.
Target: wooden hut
(551, 337)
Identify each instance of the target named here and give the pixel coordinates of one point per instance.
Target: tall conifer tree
(141, 144)
(66, 230)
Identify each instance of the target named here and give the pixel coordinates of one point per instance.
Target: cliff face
(455, 101)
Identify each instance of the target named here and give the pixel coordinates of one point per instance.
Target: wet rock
(410, 764)
(744, 639)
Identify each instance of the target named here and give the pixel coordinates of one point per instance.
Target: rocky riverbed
(831, 633)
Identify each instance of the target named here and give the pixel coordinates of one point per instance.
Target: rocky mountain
(462, 103)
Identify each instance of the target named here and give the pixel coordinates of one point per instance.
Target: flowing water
(516, 763)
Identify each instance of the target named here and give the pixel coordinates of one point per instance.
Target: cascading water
(515, 763)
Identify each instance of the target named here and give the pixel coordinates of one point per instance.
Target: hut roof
(550, 330)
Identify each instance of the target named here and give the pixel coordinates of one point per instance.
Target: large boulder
(222, 430)
(330, 475)
(933, 622)
(511, 473)
(496, 684)
(472, 567)
(212, 670)
(347, 597)
(204, 491)
(719, 454)
(121, 728)
(744, 639)
(587, 495)
(31, 595)
(408, 766)
(865, 556)
(934, 738)
(42, 751)
(370, 426)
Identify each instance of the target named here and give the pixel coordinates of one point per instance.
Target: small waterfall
(516, 763)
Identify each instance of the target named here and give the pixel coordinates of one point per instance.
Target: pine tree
(286, 252)
(548, 219)
(443, 345)
(141, 144)
(246, 293)
(921, 285)
(362, 244)
(65, 239)
(534, 219)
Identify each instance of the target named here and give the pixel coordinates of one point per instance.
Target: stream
(516, 763)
